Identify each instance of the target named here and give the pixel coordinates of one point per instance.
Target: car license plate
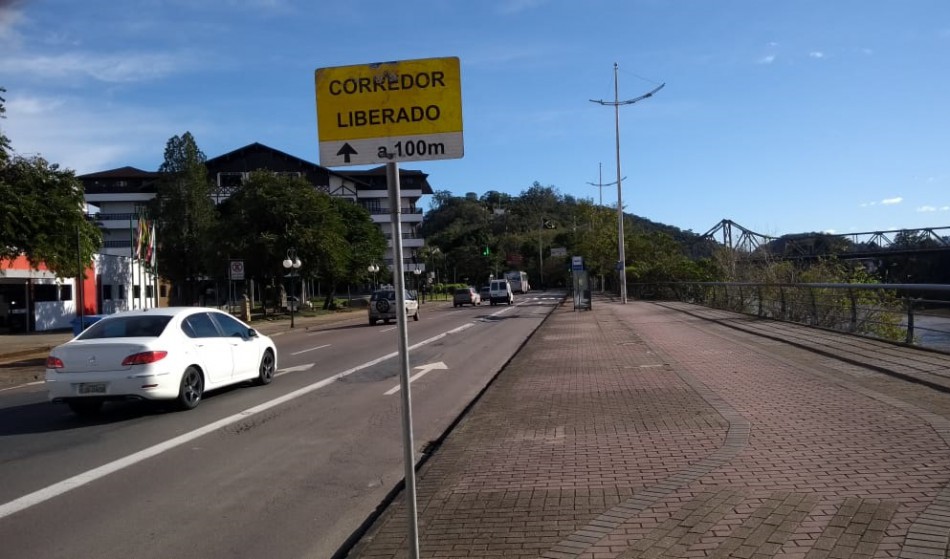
(92, 388)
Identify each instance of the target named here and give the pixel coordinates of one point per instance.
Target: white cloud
(830, 231)
(892, 201)
(28, 106)
(816, 54)
(767, 59)
(924, 209)
(134, 67)
(87, 136)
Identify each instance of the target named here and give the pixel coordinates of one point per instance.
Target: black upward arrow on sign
(346, 151)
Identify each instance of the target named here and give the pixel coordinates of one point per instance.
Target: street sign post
(386, 113)
(408, 110)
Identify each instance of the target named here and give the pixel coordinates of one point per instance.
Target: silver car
(382, 306)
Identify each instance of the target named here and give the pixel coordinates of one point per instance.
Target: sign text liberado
(383, 83)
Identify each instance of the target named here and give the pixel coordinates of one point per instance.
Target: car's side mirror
(251, 333)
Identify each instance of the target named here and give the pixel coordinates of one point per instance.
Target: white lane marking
(94, 474)
(34, 383)
(425, 369)
(389, 329)
(311, 349)
(296, 369)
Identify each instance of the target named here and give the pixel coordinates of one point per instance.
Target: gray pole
(600, 184)
(80, 276)
(541, 256)
(408, 446)
(622, 264)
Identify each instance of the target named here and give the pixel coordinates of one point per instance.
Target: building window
(230, 180)
(107, 291)
(372, 205)
(43, 292)
(289, 174)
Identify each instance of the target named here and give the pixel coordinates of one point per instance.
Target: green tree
(42, 217)
(365, 243)
(185, 217)
(4, 141)
(270, 214)
(42, 212)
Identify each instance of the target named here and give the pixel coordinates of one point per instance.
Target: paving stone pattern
(635, 431)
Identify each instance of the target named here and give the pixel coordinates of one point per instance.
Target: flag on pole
(150, 258)
(140, 238)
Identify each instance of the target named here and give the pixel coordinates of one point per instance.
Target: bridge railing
(916, 314)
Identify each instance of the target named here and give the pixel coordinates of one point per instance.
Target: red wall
(89, 287)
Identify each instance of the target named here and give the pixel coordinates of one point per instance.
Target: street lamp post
(416, 273)
(373, 268)
(292, 264)
(616, 104)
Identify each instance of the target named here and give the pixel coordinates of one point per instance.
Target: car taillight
(144, 358)
(54, 363)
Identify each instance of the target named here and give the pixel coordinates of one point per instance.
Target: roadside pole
(389, 112)
(399, 280)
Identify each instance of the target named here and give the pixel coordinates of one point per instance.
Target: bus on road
(518, 281)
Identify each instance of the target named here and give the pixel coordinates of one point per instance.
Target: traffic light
(486, 252)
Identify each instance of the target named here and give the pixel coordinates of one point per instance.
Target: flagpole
(131, 294)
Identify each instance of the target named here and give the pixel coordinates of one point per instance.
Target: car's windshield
(462, 291)
(126, 327)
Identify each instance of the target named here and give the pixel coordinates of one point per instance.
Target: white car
(382, 306)
(173, 353)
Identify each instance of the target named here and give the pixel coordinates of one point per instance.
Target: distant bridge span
(868, 244)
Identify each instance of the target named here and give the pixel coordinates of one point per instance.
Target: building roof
(373, 179)
(120, 173)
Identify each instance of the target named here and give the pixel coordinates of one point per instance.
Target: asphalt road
(286, 470)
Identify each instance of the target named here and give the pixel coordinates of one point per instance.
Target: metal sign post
(399, 280)
(388, 112)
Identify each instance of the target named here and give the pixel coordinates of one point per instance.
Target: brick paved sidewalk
(629, 432)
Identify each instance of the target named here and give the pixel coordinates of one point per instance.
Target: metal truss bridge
(848, 245)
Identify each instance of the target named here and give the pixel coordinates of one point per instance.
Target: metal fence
(916, 314)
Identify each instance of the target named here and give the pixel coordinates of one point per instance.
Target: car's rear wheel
(416, 316)
(267, 369)
(85, 408)
(191, 389)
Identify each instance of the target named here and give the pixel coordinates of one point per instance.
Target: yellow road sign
(408, 110)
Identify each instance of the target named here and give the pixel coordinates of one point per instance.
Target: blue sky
(785, 116)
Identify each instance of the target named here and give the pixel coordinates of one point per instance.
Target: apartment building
(122, 195)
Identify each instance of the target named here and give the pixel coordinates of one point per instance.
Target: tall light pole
(292, 264)
(545, 224)
(616, 103)
(600, 184)
(373, 268)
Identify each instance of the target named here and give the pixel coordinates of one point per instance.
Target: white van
(500, 292)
